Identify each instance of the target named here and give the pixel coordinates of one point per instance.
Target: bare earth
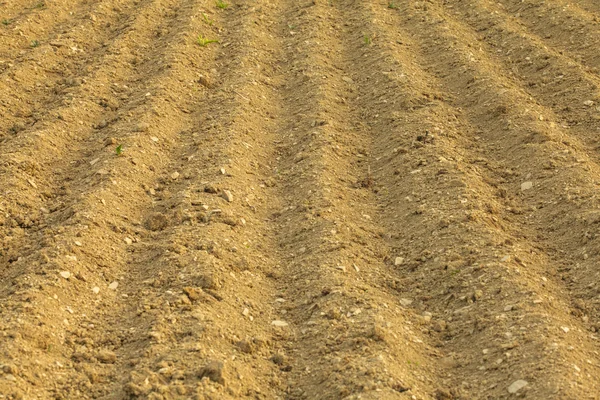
(342, 199)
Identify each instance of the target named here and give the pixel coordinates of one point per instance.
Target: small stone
(427, 316)
(245, 312)
(156, 222)
(110, 141)
(194, 294)
(65, 274)
(517, 385)
(11, 369)
(211, 189)
(565, 329)
(588, 103)
(107, 357)
(204, 81)
(377, 333)
(440, 325)
(398, 261)
(508, 308)
(142, 127)
(10, 377)
(213, 371)
(526, 185)
(113, 285)
(279, 323)
(128, 240)
(78, 244)
(227, 195)
(278, 359)
(478, 294)
(175, 175)
(406, 302)
(245, 346)
(96, 289)
(347, 79)
(207, 281)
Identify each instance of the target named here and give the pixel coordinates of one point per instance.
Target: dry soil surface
(341, 199)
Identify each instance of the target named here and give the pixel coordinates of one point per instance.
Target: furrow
(199, 319)
(496, 115)
(34, 19)
(567, 28)
(580, 125)
(32, 78)
(86, 236)
(562, 86)
(43, 165)
(350, 335)
(588, 5)
(450, 268)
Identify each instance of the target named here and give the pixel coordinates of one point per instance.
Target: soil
(338, 199)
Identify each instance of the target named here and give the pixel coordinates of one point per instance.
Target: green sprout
(221, 4)
(392, 5)
(6, 22)
(202, 41)
(207, 20)
(367, 40)
(119, 149)
(34, 43)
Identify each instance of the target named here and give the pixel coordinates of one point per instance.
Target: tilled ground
(339, 199)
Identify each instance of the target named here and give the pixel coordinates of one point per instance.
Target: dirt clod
(156, 222)
(213, 371)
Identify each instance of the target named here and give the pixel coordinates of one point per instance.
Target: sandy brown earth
(340, 199)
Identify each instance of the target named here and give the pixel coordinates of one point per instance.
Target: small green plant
(40, 4)
(221, 4)
(119, 150)
(34, 43)
(6, 22)
(202, 41)
(207, 20)
(367, 40)
(392, 5)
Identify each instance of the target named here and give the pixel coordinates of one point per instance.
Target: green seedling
(221, 4)
(392, 5)
(207, 20)
(119, 149)
(35, 43)
(367, 40)
(202, 41)
(6, 22)
(40, 4)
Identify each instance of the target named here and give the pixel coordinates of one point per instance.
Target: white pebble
(526, 185)
(517, 385)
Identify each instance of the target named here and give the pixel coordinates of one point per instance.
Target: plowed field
(298, 199)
